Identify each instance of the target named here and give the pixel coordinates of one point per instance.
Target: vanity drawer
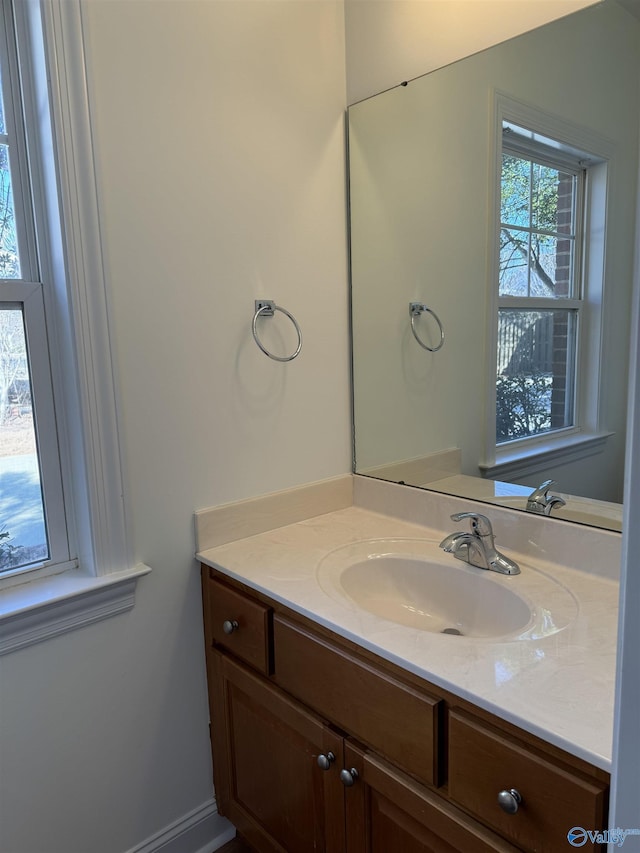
(396, 720)
(483, 762)
(247, 621)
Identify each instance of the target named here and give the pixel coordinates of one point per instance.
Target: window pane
(533, 264)
(516, 191)
(23, 536)
(514, 262)
(536, 363)
(551, 266)
(552, 199)
(9, 261)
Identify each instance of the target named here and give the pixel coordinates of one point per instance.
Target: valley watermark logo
(578, 836)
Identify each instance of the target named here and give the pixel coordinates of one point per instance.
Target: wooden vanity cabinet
(408, 767)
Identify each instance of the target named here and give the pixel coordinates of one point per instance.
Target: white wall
(421, 214)
(220, 160)
(389, 41)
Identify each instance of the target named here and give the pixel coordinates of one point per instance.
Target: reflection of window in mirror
(541, 211)
(548, 280)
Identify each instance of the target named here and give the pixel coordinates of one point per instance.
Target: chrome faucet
(541, 502)
(477, 547)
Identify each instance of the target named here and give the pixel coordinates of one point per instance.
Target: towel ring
(267, 308)
(417, 308)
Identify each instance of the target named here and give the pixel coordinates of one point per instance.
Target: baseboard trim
(202, 830)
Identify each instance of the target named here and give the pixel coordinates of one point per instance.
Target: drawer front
(482, 763)
(250, 639)
(397, 721)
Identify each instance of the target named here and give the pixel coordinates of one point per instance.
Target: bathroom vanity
(336, 729)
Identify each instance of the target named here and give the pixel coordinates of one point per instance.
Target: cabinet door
(267, 777)
(387, 811)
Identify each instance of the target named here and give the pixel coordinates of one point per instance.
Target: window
(58, 375)
(547, 291)
(539, 287)
(33, 524)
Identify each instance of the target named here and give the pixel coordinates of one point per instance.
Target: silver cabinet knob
(509, 800)
(229, 626)
(325, 761)
(348, 777)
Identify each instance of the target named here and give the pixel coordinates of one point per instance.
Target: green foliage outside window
(522, 405)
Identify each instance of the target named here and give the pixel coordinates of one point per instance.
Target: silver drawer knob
(509, 800)
(229, 626)
(348, 777)
(325, 761)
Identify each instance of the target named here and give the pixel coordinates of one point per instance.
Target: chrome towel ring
(417, 308)
(267, 308)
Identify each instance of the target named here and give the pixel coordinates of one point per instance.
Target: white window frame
(103, 581)
(529, 456)
(27, 295)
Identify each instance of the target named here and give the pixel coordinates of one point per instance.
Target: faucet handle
(541, 501)
(541, 491)
(480, 524)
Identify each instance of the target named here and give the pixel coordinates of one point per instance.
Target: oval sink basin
(413, 583)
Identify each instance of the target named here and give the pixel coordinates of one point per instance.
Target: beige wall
(220, 161)
(221, 176)
(389, 41)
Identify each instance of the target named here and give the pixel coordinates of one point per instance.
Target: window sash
(29, 297)
(568, 163)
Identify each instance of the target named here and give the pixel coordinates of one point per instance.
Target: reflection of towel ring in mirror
(417, 308)
(267, 308)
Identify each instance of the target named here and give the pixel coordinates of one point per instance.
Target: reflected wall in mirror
(424, 166)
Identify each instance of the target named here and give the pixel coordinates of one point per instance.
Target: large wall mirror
(452, 213)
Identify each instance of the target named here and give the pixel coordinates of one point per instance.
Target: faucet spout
(541, 502)
(453, 541)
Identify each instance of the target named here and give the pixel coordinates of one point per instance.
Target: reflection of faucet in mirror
(541, 502)
(477, 547)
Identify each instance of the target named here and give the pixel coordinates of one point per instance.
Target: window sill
(524, 460)
(47, 607)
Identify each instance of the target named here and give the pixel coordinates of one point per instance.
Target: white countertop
(560, 687)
